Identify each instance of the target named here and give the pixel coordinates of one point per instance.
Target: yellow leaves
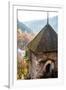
(22, 66)
(25, 71)
(22, 70)
(22, 77)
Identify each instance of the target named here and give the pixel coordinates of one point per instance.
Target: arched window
(49, 66)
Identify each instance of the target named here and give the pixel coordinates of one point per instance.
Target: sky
(24, 16)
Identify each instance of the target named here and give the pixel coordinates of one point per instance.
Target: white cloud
(33, 15)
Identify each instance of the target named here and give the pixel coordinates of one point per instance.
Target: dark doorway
(47, 73)
(48, 67)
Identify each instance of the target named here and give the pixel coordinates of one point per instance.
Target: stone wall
(38, 63)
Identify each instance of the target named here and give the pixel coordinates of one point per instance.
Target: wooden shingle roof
(45, 41)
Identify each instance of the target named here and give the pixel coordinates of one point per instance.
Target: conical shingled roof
(45, 41)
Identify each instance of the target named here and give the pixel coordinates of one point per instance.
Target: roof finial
(47, 17)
